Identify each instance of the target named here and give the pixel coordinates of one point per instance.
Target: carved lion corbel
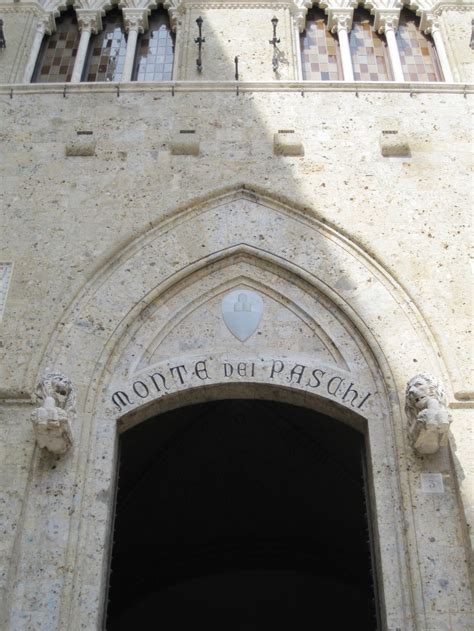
(428, 416)
(52, 420)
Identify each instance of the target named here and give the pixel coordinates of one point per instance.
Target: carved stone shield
(242, 311)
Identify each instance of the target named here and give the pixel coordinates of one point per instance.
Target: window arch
(155, 50)
(58, 51)
(369, 54)
(320, 56)
(417, 51)
(107, 50)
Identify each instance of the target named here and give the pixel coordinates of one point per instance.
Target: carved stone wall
(457, 27)
(121, 257)
(236, 28)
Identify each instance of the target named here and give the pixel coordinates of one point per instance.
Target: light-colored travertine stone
(287, 144)
(184, 144)
(81, 145)
(123, 260)
(52, 420)
(428, 417)
(392, 143)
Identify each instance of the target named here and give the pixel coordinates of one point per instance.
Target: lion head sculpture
(427, 413)
(60, 388)
(420, 391)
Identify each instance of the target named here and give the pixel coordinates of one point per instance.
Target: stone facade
(121, 235)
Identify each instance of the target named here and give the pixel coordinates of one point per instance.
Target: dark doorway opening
(241, 515)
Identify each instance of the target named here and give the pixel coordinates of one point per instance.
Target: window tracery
(58, 51)
(344, 45)
(368, 50)
(107, 50)
(155, 50)
(319, 49)
(417, 51)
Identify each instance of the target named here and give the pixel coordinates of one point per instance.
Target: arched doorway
(241, 514)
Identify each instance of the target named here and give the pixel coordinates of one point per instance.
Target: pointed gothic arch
(119, 328)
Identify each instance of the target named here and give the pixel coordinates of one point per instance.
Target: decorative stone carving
(242, 311)
(135, 20)
(431, 25)
(428, 417)
(89, 20)
(45, 24)
(52, 420)
(299, 17)
(385, 20)
(338, 21)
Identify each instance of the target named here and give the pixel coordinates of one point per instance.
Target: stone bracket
(185, 143)
(82, 145)
(287, 143)
(392, 143)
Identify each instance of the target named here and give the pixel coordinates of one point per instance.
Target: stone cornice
(240, 4)
(428, 6)
(356, 87)
(138, 5)
(296, 5)
(25, 7)
(441, 6)
(298, 8)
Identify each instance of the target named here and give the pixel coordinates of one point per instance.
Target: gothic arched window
(319, 49)
(417, 51)
(107, 50)
(155, 50)
(368, 50)
(58, 51)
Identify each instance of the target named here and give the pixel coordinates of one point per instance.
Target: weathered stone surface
(184, 145)
(287, 144)
(81, 146)
(394, 144)
(121, 263)
(428, 417)
(52, 421)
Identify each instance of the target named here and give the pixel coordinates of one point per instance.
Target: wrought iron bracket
(199, 41)
(273, 42)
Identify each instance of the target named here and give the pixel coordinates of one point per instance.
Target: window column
(386, 23)
(299, 23)
(89, 22)
(135, 21)
(44, 26)
(435, 32)
(341, 23)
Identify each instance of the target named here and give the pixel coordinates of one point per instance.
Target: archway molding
(154, 306)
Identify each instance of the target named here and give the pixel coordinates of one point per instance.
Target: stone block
(287, 143)
(185, 143)
(81, 145)
(392, 143)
